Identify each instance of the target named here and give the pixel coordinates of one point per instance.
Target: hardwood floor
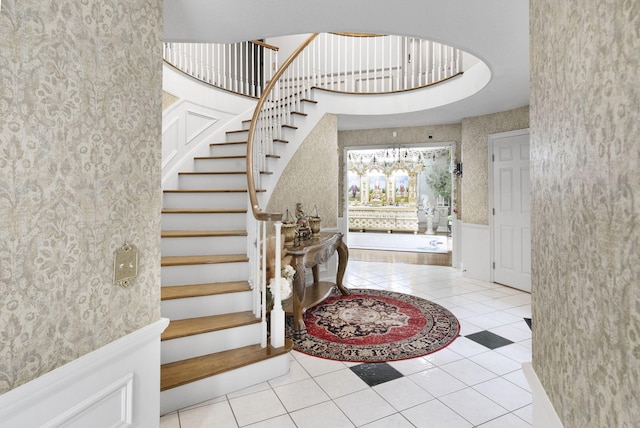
(438, 259)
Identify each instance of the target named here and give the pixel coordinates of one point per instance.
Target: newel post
(277, 313)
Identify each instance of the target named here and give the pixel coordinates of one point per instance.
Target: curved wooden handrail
(265, 45)
(258, 214)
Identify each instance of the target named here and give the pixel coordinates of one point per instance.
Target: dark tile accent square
(488, 339)
(376, 373)
(528, 321)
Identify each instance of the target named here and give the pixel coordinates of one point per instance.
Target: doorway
(399, 199)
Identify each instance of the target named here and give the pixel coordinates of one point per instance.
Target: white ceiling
(496, 31)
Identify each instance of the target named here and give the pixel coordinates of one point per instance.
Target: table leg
(299, 289)
(343, 258)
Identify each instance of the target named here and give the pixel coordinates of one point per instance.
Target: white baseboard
(544, 415)
(117, 385)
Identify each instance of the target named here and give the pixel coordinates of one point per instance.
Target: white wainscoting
(117, 385)
(544, 415)
(475, 258)
(201, 116)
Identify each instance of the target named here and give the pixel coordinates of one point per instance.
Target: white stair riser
(205, 200)
(287, 134)
(209, 343)
(201, 274)
(212, 181)
(193, 307)
(191, 221)
(291, 120)
(228, 149)
(193, 246)
(237, 136)
(224, 383)
(220, 164)
(307, 107)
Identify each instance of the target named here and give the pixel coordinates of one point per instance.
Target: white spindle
(360, 87)
(421, 80)
(440, 59)
(375, 64)
(390, 40)
(400, 64)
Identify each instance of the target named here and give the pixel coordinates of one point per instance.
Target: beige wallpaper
(310, 176)
(80, 154)
(384, 137)
(475, 178)
(585, 143)
(168, 99)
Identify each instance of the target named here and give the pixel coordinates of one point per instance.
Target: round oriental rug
(375, 326)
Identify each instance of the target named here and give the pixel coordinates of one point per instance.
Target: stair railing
(272, 111)
(243, 67)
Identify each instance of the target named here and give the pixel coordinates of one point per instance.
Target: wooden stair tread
(204, 211)
(197, 233)
(200, 325)
(280, 140)
(191, 370)
(211, 172)
(171, 292)
(202, 260)
(237, 131)
(226, 143)
(205, 191)
(221, 157)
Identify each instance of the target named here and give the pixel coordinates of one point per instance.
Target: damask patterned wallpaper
(80, 154)
(585, 146)
(475, 157)
(309, 177)
(167, 100)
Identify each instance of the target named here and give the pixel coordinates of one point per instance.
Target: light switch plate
(125, 268)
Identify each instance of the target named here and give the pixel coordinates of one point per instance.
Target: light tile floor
(464, 385)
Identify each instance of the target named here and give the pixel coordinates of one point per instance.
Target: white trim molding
(117, 385)
(544, 415)
(475, 258)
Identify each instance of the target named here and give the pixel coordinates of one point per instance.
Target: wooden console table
(309, 254)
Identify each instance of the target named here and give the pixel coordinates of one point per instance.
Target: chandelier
(394, 158)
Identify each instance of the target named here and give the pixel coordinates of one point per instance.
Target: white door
(511, 223)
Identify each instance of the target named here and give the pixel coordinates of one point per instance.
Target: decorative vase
(289, 232)
(314, 223)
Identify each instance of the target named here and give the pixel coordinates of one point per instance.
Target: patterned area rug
(375, 326)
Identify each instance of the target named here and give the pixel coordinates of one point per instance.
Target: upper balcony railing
(243, 67)
(342, 62)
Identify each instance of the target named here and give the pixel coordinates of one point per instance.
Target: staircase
(212, 344)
